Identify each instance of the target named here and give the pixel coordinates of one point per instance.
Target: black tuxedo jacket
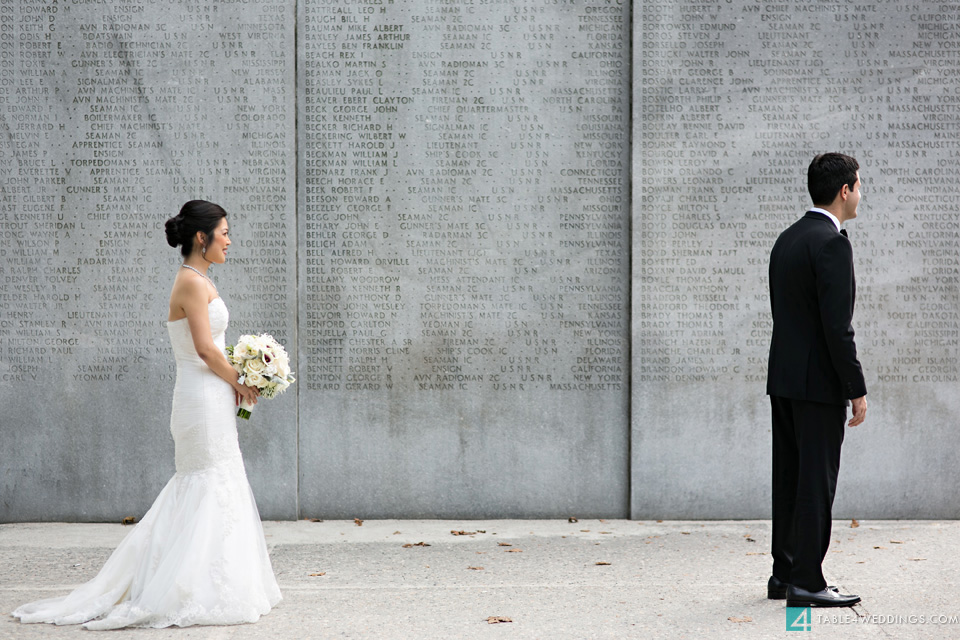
(812, 289)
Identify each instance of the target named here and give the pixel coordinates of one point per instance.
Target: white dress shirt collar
(832, 217)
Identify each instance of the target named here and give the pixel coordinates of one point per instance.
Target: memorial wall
(463, 224)
(518, 249)
(111, 116)
(731, 101)
(442, 241)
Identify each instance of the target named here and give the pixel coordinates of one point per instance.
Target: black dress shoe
(797, 597)
(777, 589)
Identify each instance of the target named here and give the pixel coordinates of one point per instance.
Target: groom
(813, 373)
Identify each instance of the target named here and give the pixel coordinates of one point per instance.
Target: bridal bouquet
(262, 362)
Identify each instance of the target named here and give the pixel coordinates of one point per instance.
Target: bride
(199, 555)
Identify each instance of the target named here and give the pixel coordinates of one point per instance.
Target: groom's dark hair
(827, 174)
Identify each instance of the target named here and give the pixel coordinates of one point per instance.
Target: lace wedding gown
(199, 555)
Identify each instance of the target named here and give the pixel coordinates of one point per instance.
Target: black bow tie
(843, 232)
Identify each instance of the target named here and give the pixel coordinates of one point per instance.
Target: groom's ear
(842, 194)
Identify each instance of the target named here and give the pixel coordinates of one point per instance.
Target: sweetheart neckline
(185, 317)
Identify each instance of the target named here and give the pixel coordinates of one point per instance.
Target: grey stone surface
(664, 580)
(432, 215)
(111, 116)
(731, 102)
(460, 258)
(463, 293)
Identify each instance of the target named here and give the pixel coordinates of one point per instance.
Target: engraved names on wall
(112, 121)
(736, 101)
(111, 116)
(464, 196)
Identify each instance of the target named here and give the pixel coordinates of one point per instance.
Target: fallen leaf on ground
(498, 619)
(396, 533)
(314, 519)
(584, 530)
(686, 533)
(504, 544)
(917, 559)
(738, 620)
(415, 544)
(465, 533)
(322, 573)
(572, 519)
(602, 564)
(475, 568)
(896, 542)
(358, 522)
(854, 524)
(514, 550)
(129, 520)
(879, 547)
(757, 553)
(749, 539)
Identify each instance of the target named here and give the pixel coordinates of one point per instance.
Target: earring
(203, 252)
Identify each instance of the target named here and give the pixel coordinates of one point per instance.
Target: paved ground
(551, 578)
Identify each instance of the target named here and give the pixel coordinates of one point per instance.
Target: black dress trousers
(806, 461)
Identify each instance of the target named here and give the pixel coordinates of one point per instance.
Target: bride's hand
(243, 392)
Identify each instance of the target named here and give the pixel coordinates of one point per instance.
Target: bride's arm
(193, 301)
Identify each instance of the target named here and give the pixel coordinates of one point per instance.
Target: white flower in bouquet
(263, 342)
(254, 379)
(243, 346)
(283, 367)
(263, 363)
(269, 364)
(275, 389)
(254, 365)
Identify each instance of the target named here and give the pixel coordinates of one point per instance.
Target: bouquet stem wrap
(245, 410)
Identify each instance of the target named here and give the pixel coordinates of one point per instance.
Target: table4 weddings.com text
(879, 618)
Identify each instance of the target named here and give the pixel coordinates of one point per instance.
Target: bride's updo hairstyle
(196, 215)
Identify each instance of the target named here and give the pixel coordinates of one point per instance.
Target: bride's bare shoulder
(189, 289)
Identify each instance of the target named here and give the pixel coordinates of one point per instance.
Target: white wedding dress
(199, 555)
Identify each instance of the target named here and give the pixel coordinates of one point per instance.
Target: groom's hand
(859, 411)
